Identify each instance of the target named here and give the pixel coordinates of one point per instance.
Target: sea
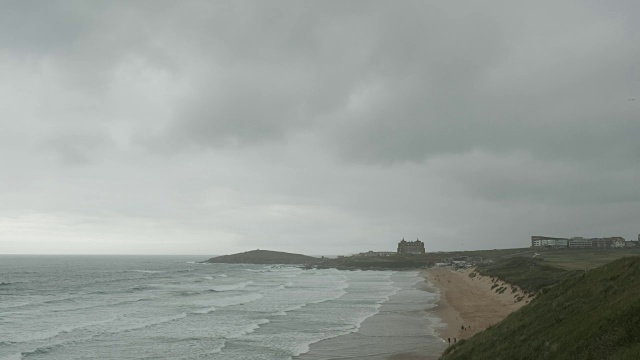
(173, 307)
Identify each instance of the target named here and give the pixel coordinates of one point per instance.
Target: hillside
(530, 274)
(584, 259)
(263, 257)
(595, 315)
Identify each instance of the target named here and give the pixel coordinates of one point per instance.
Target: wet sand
(470, 302)
(404, 329)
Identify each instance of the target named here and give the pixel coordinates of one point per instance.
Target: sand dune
(470, 302)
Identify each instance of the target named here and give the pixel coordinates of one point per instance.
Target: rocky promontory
(263, 257)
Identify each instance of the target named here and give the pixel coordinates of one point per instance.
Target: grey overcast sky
(319, 127)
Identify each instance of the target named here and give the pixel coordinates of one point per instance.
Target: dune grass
(531, 274)
(585, 259)
(592, 315)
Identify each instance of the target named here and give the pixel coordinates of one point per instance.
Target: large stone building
(410, 247)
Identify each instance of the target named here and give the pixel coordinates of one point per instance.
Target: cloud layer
(316, 127)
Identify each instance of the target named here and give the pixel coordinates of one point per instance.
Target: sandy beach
(470, 301)
(403, 329)
(409, 325)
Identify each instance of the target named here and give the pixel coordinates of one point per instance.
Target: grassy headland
(394, 262)
(593, 314)
(402, 262)
(542, 268)
(553, 263)
(263, 257)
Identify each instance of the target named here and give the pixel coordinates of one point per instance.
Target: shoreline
(404, 328)
(470, 302)
(417, 321)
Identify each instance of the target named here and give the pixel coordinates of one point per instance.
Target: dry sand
(470, 302)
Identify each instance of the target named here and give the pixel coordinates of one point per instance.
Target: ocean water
(163, 307)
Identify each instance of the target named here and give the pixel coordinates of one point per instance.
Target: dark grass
(531, 274)
(413, 261)
(364, 262)
(584, 259)
(594, 315)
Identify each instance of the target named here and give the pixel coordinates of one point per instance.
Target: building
(411, 247)
(618, 242)
(578, 242)
(610, 242)
(545, 241)
(376, 253)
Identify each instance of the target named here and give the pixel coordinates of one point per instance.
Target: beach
(135, 307)
(150, 306)
(410, 327)
(470, 302)
(405, 328)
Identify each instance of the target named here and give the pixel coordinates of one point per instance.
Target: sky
(316, 127)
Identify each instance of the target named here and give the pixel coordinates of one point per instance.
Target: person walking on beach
(449, 339)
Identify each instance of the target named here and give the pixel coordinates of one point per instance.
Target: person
(454, 340)
(449, 339)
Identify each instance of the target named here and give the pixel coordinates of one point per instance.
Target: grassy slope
(263, 257)
(531, 274)
(584, 259)
(595, 315)
(549, 267)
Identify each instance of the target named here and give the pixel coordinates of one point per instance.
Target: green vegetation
(591, 315)
(531, 274)
(558, 260)
(360, 262)
(472, 275)
(477, 254)
(584, 259)
(411, 261)
(263, 257)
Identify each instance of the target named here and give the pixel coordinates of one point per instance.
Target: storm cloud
(318, 127)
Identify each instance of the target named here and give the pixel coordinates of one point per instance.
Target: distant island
(263, 257)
